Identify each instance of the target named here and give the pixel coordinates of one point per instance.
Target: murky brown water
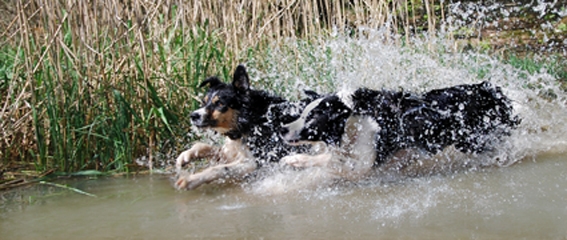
(527, 200)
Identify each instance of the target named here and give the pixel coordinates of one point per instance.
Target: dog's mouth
(292, 141)
(217, 120)
(204, 124)
(202, 119)
(289, 136)
(212, 124)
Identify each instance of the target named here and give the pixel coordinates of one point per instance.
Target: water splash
(377, 62)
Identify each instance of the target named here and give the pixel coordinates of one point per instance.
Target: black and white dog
(362, 129)
(249, 119)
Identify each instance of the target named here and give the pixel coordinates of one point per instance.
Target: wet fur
(365, 128)
(249, 119)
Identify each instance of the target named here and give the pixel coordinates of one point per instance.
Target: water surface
(526, 200)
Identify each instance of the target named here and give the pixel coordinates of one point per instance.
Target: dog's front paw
(194, 152)
(187, 182)
(182, 159)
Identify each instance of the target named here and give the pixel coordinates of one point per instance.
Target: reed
(84, 87)
(98, 84)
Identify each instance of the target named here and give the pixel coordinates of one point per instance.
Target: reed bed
(99, 84)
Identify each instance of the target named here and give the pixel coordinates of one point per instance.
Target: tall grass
(98, 84)
(80, 90)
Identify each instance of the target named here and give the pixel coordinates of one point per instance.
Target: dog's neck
(233, 134)
(252, 113)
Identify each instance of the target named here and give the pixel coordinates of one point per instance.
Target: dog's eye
(217, 102)
(220, 105)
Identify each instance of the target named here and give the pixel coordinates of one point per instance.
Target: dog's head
(322, 120)
(222, 103)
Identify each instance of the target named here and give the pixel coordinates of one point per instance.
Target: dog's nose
(195, 116)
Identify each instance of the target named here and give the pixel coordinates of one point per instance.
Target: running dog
(249, 119)
(364, 128)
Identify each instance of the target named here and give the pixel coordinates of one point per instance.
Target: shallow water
(526, 200)
(521, 195)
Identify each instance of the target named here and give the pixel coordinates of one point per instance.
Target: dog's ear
(312, 95)
(240, 79)
(211, 81)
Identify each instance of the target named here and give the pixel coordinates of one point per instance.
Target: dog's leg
(304, 160)
(231, 170)
(352, 160)
(229, 152)
(355, 157)
(347, 166)
(237, 162)
(199, 150)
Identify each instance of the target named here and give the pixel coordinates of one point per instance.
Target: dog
(249, 119)
(363, 128)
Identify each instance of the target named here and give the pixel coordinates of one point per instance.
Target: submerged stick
(22, 181)
(69, 188)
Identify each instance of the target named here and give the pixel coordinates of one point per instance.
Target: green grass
(104, 121)
(555, 65)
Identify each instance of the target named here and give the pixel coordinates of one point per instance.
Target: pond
(526, 200)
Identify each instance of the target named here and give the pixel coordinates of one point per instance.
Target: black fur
(288, 111)
(470, 117)
(326, 122)
(258, 132)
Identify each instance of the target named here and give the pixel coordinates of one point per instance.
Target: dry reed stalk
(243, 23)
(101, 51)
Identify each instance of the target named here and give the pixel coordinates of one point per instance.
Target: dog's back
(477, 114)
(470, 117)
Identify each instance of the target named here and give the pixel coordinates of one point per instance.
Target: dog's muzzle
(198, 118)
(288, 135)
